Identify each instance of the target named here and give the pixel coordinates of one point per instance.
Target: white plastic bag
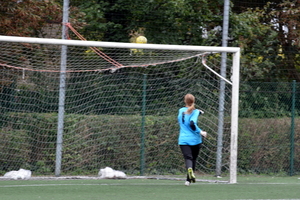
(108, 172)
(20, 174)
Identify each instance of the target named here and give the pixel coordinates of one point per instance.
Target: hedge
(95, 141)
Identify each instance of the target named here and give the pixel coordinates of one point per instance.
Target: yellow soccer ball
(141, 40)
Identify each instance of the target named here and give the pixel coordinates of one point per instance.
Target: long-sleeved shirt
(189, 133)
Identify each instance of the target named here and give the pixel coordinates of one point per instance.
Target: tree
(161, 21)
(284, 18)
(270, 52)
(243, 6)
(30, 18)
(27, 17)
(259, 46)
(281, 54)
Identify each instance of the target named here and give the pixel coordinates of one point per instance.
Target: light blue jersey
(188, 136)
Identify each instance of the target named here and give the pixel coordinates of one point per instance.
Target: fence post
(142, 153)
(292, 142)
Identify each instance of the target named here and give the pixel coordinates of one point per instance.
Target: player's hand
(201, 111)
(204, 133)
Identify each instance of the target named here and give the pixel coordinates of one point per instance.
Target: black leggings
(190, 154)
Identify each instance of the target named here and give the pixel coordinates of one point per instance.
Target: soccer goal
(72, 107)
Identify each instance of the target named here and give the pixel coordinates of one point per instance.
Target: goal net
(72, 107)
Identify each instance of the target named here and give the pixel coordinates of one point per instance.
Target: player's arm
(203, 133)
(193, 121)
(194, 125)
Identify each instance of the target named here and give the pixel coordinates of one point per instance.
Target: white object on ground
(20, 174)
(108, 172)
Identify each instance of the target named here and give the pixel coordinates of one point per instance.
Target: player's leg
(188, 158)
(195, 152)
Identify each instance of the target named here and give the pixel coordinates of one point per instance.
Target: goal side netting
(72, 107)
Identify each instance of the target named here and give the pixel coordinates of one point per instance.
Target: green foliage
(167, 22)
(92, 93)
(264, 48)
(94, 16)
(269, 41)
(264, 146)
(30, 140)
(259, 46)
(266, 100)
(269, 52)
(284, 18)
(92, 142)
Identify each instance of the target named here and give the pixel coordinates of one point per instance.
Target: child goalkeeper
(190, 136)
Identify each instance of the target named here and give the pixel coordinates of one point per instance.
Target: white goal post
(234, 79)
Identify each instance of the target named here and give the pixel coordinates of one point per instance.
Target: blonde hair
(189, 101)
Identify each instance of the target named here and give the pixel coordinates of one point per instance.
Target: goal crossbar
(117, 44)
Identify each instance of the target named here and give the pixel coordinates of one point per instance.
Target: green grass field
(259, 187)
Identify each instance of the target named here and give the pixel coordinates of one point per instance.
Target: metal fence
(269, 128)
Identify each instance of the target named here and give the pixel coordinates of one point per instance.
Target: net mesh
(119, 115)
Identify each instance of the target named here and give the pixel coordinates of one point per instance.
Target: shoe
(187, 183)
(191, 175)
